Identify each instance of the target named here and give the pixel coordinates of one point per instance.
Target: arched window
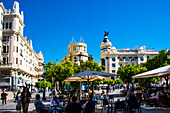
(113, 59)
(113, 65)
(141, 59)
(10, 25)
(3, 26)
(126, 59)
(132, 59)
(7, 25)
(120, 59)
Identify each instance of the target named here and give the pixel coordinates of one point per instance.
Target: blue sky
(52, 23)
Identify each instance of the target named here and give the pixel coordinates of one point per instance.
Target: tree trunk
(60, 86)
(127, 86)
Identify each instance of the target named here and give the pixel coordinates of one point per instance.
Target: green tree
(128, 71)
(91, 65)
(41, 84)
(157, 61)
(117, 81)
(59, 72)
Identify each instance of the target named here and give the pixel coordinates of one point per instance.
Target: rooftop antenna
(136, 47)
(72, 40)
(81, 39)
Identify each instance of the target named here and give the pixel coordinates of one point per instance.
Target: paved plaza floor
(10, 107)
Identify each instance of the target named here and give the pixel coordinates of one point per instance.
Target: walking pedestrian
(18, 99)
(3, 97)
(25, 99)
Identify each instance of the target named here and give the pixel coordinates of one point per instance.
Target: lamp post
(44, 84)
(57, 81)
(15, 81)
(81, 60)
(168, 57)
(167, 78)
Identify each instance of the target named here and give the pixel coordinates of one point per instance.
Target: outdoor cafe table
(116, 100)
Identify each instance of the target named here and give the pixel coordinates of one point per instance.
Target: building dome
(105, 42)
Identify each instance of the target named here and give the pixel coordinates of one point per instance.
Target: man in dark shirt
(3, 97)
(90, 106)
(132, 102)
(25, 99)
(74, 107)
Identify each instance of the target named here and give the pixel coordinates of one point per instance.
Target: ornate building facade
(20, 63)
(74, 50)
(113, 58)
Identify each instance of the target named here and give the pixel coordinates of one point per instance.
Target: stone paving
(10, 107)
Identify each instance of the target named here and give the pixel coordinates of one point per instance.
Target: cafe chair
(105, 103)
(120, 107)
(163, 101)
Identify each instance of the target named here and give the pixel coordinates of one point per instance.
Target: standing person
(3, 97)
(70, 96)
(107, 89)
(25, 99)
(18, 97)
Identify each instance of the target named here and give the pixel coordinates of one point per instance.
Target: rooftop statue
(106, 33)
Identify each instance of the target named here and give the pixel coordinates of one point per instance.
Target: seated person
(89, 106)
(55, 104)
(132, 102)
(102, 94)
(154, 96)
(73, 107)
(39, 104)
(153, 99)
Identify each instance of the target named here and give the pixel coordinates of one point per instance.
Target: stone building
(20, 63)
(74, 50)
(113, 58)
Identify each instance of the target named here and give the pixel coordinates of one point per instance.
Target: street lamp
(57, 81)
(81, 60)
(168, 57)
(44, 83)
(167, 78)
(14, 91)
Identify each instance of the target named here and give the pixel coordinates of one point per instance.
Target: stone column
(11, 49)
(110, 65)
(106, 64)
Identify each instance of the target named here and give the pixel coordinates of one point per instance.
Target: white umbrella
(89, 75)
(162, 71)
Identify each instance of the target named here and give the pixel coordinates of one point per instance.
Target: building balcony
(3, 66)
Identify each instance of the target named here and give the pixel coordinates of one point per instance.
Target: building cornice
(15, 15)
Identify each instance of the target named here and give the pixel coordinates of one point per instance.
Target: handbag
(18, 106)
